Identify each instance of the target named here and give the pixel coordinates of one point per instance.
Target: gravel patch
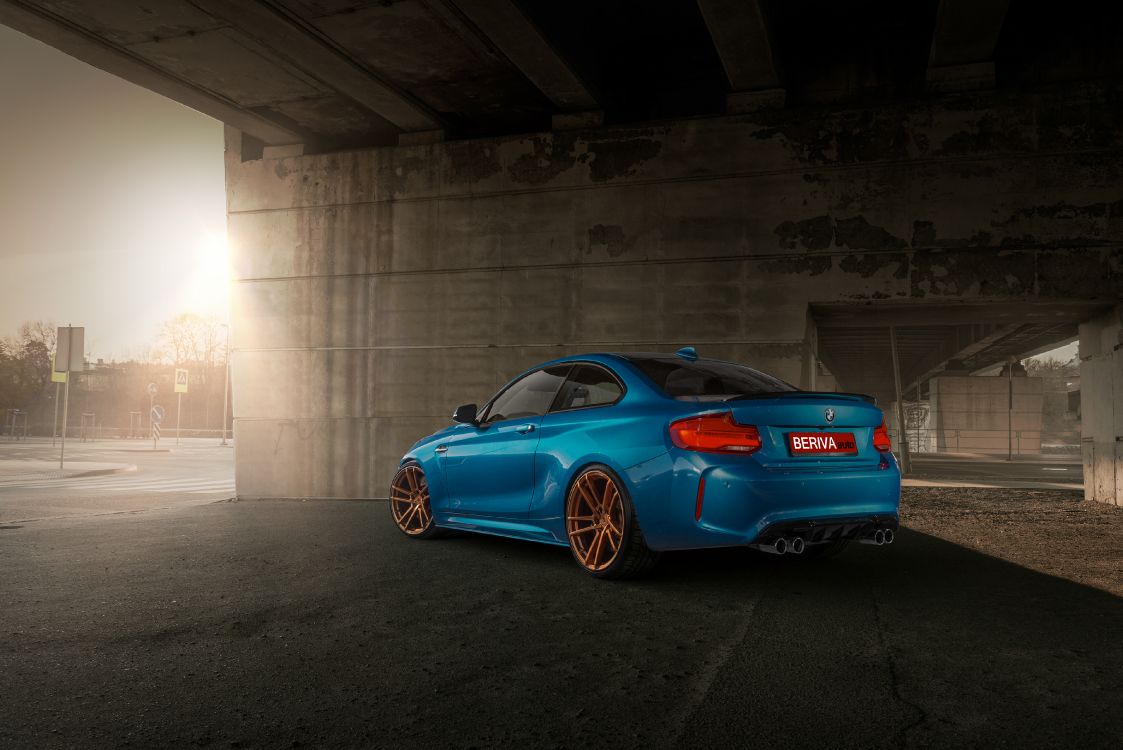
(1055, 532)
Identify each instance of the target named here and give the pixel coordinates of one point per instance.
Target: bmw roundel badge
(829, 414)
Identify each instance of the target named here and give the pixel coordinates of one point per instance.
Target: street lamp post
(226, 389)
(1010, 408)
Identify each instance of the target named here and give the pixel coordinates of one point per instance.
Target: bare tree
(26, 364)
(41, 331)
(1043, 368)
(196, 342)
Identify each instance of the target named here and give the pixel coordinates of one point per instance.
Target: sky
(112, 202)
(1063, 353)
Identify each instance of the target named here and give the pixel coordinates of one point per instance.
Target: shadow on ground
(305, 624)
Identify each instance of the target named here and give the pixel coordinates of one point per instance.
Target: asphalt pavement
(307, 624)
(110, 476)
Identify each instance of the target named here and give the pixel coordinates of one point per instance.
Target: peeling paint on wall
(990, 133)
(965, 273)
(869, 136)
(811, 234)
(1088, 274)
(820, 232)
(469, 163)
(809, 264)
(611, 237)
(858, 234)
(394, 176)
(1063, 211)
(550, 156)
(868, 265)
(611, 159)
(924, 236)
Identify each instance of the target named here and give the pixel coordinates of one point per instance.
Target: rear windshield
(707, 380)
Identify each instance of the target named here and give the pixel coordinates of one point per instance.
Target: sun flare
(208, 287)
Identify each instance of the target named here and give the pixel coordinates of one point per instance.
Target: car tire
(409, 503)
(600, 521)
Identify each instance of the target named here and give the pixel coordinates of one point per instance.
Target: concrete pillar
(1101, 397)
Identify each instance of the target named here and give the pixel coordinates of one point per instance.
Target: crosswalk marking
(135, 484)
(106, 483)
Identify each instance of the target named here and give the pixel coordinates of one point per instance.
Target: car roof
(608, 357)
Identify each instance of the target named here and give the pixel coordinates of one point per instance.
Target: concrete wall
(972, 414)
(379, 288)
(1101, 383)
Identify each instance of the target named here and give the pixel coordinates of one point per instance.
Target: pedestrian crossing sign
(180, 381)
(56, 376)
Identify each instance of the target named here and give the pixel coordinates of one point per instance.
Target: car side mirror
(465, 413)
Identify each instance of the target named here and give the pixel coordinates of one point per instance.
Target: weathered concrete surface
(287, 624)
(379, 288)
(1101, 386)
(976, 415)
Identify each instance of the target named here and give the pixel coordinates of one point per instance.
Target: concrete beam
(421, 137)
(521, 42)
(965, 353)
(742, 102)
(66, 37)
(741, 37)
(291, 38)
(962, 55)
(954, 313)
(577, 120)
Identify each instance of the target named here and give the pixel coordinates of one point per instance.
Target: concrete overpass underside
(426, 197)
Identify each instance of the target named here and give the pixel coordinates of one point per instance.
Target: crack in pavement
(922, 715)
(703, 682)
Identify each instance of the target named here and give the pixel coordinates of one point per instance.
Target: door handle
(441, 448)
(525, 428)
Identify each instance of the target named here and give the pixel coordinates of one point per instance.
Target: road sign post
(181, 381)
(69, 345)
(54, 424)
(156, 416)
(226, 385)
(58, 378)
(151, 411)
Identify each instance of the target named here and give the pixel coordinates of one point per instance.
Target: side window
(588, 385)
(529, 397)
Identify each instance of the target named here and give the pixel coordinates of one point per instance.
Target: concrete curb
(1012, 484)
(126, 469)
(64, 474)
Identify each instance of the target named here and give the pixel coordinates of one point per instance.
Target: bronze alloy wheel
(594, 520)
(409, 500)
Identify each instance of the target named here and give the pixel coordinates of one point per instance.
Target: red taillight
(715, 433)
(881, 438)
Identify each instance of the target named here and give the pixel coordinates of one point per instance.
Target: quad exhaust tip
(783, 546)
(879, 537)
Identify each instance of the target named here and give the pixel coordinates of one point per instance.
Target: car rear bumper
(741, 501)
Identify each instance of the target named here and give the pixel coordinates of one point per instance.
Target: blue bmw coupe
(622, 456)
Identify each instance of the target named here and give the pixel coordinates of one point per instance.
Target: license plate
(823, 443)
